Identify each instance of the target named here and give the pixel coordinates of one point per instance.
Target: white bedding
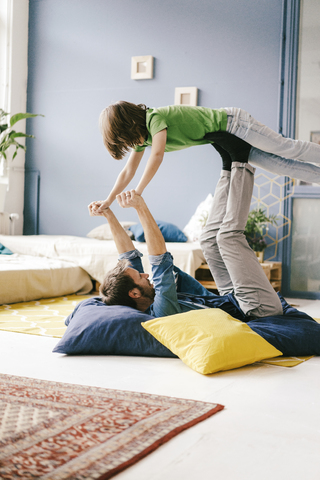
(27, 277)
(96, 257)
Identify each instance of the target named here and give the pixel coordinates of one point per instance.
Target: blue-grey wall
(79, 62)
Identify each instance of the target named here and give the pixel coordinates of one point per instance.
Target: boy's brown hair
(123, 125)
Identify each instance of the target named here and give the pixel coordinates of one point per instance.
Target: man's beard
(148, 293)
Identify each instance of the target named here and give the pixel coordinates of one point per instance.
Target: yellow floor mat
(286, 361)
(46, 318)
(42, 317)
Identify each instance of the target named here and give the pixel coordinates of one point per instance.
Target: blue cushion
(95, 328)
(170, 232)
(295, 333)
(4, 250)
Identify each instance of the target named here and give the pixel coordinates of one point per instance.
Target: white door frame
(14, 17)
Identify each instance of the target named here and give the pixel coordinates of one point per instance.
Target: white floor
(269, 429)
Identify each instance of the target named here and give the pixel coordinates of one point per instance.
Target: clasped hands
(125, 199)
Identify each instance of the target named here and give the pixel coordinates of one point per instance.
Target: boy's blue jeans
(273, 152)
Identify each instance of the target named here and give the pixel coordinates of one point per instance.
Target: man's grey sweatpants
(233, 264)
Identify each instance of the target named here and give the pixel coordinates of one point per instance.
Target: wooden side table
(273, 270)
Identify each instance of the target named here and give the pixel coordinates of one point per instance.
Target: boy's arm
(124, 178)
(159, 141)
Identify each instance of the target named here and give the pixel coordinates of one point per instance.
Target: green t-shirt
(186, 126)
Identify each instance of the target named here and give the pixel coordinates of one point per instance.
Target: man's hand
(122, 240)
(154, 238)
(98, 208)
(130, 199)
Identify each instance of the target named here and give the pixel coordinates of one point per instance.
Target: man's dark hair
(114, 290)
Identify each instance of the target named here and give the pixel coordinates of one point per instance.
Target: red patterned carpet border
(60, 431)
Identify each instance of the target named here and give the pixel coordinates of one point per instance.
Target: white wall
(13, 91)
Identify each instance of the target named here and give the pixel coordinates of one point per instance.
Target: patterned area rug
(60, 431)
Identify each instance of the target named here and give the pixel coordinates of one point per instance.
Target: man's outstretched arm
(166, 301)
(154, 238)
(122, 240)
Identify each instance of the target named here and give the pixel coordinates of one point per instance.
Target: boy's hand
(103, 205)
(95, 208)
(129, 199)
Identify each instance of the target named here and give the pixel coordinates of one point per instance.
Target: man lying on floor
(112, 323)
(246, 291)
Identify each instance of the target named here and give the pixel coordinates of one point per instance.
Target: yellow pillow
(210, 340)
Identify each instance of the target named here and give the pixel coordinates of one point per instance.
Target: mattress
(27, 277)
(94, 256)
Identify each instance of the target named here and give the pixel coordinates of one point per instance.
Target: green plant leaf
(256, 227)
(18, 145)
(20, 116)
(3, 114)
(5, 132)
(14, 134)
(8, 136)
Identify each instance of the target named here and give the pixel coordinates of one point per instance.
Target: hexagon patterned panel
(269, 195)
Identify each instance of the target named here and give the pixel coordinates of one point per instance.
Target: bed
(55, 255)
(27, 277)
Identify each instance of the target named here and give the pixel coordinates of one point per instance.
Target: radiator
(7, 223)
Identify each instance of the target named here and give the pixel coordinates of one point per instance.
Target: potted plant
(8, 138)
(256, 228)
